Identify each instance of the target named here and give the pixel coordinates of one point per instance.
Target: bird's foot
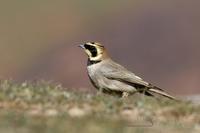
(125, 94)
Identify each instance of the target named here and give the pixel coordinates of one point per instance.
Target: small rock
(51, 112)
(76, 112)
(130, 114)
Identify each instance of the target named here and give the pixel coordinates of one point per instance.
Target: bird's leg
(125, 94)
(143, 92)
(100, 91)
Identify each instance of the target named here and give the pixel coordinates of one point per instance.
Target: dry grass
(43, 107)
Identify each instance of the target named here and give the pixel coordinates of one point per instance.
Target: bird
(107, 76)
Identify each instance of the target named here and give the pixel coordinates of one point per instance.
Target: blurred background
(158, 40)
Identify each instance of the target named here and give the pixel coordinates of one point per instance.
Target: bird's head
(94, 50)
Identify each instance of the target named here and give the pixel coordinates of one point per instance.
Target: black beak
(82, 46)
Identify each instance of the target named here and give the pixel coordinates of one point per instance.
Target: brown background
(158, 40)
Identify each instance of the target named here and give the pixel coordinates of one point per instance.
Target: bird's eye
(92, 42)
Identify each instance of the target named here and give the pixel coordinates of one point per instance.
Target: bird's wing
(115, 71)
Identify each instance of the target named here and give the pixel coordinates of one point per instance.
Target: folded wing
(115, 71)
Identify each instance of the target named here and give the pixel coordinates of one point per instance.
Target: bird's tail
(155, 90)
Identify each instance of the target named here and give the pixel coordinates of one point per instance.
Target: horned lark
(110, 77)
